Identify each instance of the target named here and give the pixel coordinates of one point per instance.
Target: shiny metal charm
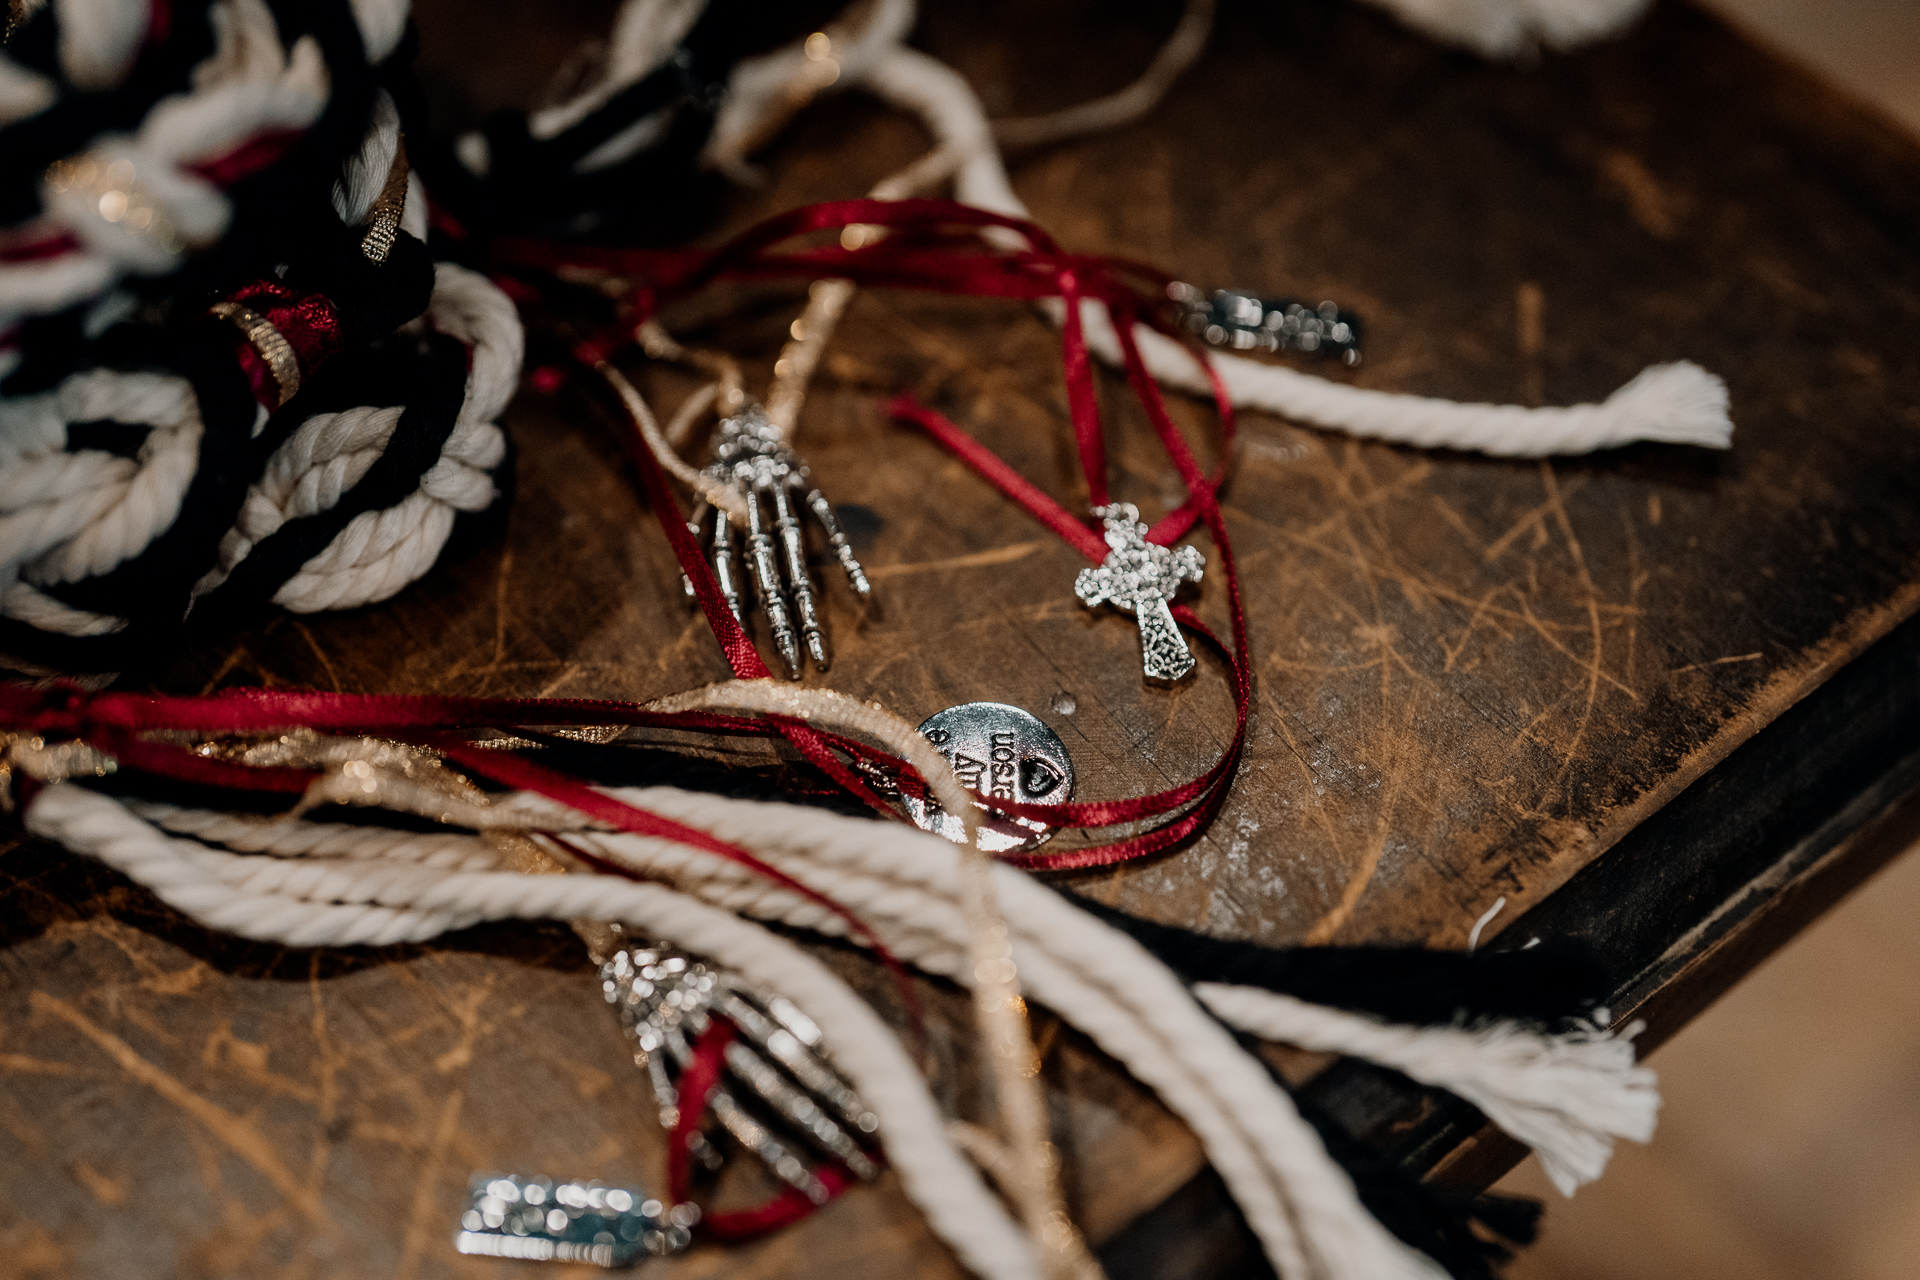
(750, 454)
(667, 1000)
(1141, 577)
(538, 1220)
(1241, 321)
(1001, 753)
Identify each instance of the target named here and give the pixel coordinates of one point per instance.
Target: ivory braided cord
(1127, 106)
(680, 429)
(948, 1189)
(286, 838)
(711, 490)
(827, 301)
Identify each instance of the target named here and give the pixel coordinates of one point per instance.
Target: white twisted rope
(1566, 1096)
(379, 552)
(1096, 978)
(248, 84)
(65, 516)
(1569, 1094)
(374, 904)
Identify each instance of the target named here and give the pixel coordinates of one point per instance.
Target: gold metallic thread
(383, 222)
(269, 342)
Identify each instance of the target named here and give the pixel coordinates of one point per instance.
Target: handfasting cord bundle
(225, 205)
(234, 374)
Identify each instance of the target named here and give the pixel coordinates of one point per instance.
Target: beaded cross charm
(1141, 577)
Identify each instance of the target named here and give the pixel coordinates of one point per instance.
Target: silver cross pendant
(1141, 577)
(750, 455)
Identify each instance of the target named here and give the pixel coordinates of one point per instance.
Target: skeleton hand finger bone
(751, 460)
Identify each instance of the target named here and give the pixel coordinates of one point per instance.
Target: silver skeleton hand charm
(1141, 577)
(667, 1001)
(750, 456)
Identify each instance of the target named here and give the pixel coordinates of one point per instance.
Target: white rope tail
(1566, 1096)
(1513, 28)
(1677, 403)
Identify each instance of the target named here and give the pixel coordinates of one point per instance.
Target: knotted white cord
(1129, 105)
(70, 515)
(381, 551)
(249, 83)
(65, 516)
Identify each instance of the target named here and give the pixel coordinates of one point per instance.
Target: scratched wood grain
(1474, 676)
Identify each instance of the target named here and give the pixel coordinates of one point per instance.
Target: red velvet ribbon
(308, 321)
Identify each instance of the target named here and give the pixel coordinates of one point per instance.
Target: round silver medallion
(1001, 753)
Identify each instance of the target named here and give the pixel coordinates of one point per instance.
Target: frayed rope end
(1678, 403)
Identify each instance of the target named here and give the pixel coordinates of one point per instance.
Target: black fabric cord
(1469, 1235)
(121, 439)
(1546, 984)
(286, 207)
(371, 298)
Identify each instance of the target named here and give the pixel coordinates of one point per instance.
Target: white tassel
(1566, 1096)
(1511, 28)
(1678, 403)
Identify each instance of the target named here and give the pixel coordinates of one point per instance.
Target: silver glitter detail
(1237, 319)
(539, 1220)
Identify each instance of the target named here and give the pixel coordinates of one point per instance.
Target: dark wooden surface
(1476, 677)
